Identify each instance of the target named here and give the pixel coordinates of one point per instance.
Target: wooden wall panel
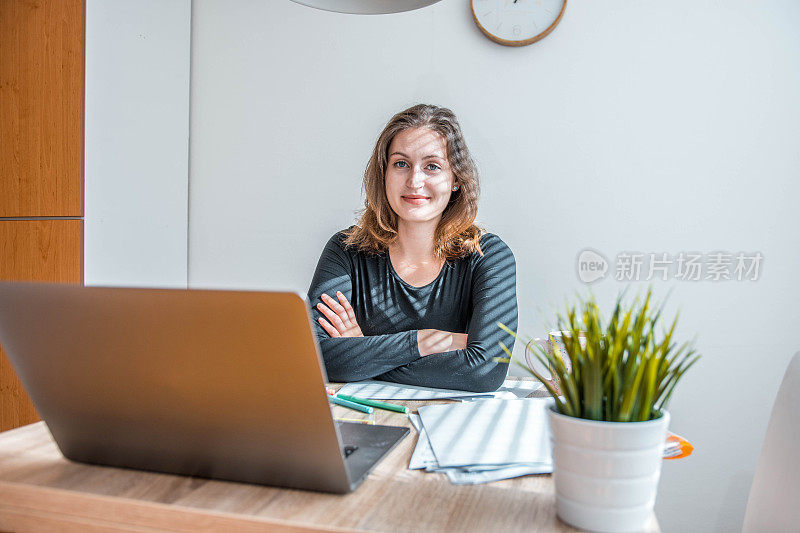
(41, 108)
(42, 250)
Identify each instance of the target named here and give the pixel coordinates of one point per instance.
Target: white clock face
(516, 20)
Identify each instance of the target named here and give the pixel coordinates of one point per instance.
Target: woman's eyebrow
(432, 156)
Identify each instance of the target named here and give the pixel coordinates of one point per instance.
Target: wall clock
(517, 22)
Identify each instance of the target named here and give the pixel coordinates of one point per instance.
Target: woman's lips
(416, 200)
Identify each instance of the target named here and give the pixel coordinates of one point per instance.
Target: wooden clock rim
(526, 42)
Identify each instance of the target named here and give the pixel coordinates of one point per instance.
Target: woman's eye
(401, 164)
(433, 166)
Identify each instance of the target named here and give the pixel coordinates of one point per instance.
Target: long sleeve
(494, 299)
(353, 358)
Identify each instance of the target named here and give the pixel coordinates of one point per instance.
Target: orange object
(677, 447)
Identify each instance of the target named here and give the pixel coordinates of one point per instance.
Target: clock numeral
(517, 30)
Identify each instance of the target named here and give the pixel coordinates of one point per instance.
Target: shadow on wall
(735, 498)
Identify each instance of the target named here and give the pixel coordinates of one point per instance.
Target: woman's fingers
(431, 341)
(340, 315)
(332, 317)
(459, 341)
(339, 310)
(346, 305)
(332, 331)
(333, 304)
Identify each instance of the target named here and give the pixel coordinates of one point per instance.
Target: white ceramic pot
(606, 473)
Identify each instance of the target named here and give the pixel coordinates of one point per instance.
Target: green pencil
(373, 403)
(352, 405)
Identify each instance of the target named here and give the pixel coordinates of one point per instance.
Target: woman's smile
(415, 199)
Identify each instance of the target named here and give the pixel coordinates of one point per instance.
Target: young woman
(413, 293)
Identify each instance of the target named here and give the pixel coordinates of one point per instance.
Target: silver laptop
(217, 384)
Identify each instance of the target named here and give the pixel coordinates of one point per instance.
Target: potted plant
(609, 418)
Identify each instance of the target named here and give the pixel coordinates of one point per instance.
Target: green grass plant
(626, 370)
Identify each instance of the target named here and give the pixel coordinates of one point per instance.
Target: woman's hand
(341, 317)
(432, 341)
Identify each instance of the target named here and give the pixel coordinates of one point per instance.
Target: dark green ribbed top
(470, 295)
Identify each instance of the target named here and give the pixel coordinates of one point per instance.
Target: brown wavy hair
(456, 235)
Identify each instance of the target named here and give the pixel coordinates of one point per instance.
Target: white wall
(638, 125)
(136, 142)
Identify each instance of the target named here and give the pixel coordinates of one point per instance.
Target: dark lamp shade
(367, 7)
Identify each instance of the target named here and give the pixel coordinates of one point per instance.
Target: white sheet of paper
(422, 457)
(516, 389)
(384, 390)
(489, 432)
(459, 476)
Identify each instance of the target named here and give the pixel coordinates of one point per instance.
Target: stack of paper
(384, 390)
(483, 441)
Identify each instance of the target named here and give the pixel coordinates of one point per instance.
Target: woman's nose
(417, 178)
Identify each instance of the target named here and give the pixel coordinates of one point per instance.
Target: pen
(356, 420)
(373, 403)
(351, 405)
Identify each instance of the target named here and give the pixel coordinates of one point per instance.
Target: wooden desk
(40, 490)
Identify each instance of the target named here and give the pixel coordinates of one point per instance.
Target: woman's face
(419, 181)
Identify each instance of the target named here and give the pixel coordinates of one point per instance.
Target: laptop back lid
(220, 384)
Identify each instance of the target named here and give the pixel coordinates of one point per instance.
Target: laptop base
(371, 443)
